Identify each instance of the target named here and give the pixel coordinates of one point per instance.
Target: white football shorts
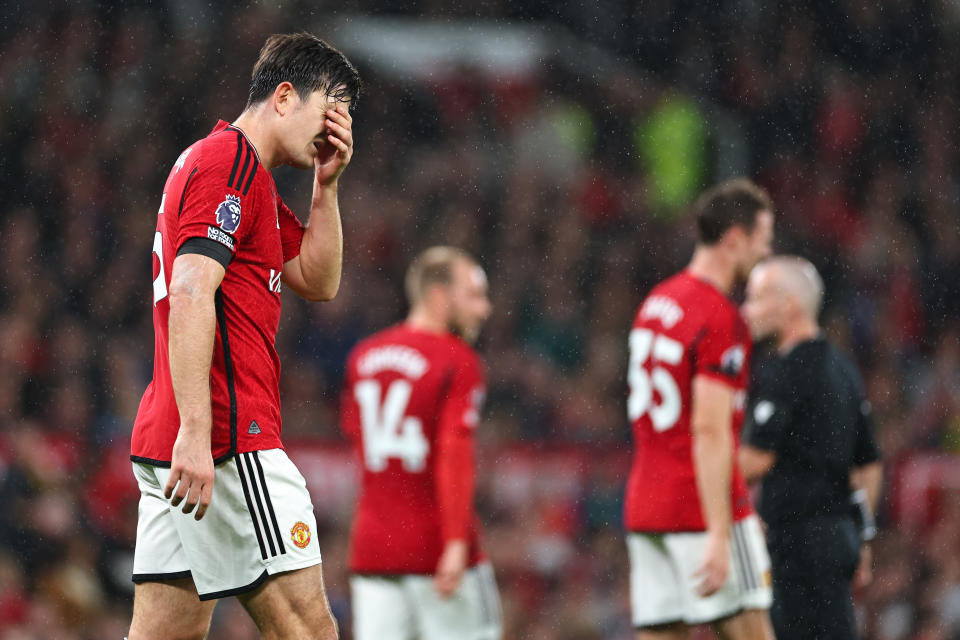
(663, 587)
(260, 522)
(405, 607)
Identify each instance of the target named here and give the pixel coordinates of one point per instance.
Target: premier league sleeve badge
(228, 214)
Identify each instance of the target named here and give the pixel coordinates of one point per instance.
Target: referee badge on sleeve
(732, 360)
(763, 411)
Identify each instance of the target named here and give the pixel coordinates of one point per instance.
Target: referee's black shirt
(809, 408)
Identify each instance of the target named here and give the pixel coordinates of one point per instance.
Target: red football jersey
(685, 328)
(219, 201)
(407, 392)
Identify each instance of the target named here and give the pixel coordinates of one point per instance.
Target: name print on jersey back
(404, 390)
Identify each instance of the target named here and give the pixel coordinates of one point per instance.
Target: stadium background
(557, 143)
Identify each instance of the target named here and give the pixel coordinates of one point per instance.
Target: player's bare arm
(315, 273)
(192, 328)
(869, 477)
(755, 463)
(712, 407)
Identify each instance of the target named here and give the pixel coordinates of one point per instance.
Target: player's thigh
(472, 612)
(751, 624)
(656, 599)
(382, 609)
(292, 606)
(170, 610)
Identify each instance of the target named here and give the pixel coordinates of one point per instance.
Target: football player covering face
(312, 130)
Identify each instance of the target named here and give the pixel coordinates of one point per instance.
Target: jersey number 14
(387, 432)
(646, 346)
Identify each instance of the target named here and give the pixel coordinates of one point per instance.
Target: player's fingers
(338, 143)
(343, 114)
(339, 118)
(333, 125)
(183, 487)
(443, 584)
(193, 496)
(206, 493)
(171, 484)
(340, 132)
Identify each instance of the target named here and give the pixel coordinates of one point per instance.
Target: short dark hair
(729, 204)
(433, 266)
(306, 62)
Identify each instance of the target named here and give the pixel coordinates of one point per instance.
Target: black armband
(863, 515)
(220, 248)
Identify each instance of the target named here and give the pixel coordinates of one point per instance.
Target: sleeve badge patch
(228, 214)
(733, 360)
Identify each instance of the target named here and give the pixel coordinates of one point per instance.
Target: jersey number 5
(387, 432)
(644, 346)
(160, 281)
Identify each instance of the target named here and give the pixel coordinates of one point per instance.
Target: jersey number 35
(648, 349)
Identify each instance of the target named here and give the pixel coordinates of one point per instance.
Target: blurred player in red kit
(697, 553)
(207, 433)
(411, 403)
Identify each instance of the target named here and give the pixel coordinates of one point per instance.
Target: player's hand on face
(191, 474)
(712, 573)
(339, 148)
(453, 562)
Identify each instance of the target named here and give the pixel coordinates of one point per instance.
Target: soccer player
(411, 403)
(223, 511)
(696, 549)
(808, 433)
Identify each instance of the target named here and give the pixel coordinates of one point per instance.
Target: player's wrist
(455, 543)
(719, 532)
(195, 427)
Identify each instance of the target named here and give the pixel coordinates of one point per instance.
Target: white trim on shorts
(407, 606)
(260, 522)
(662, 586)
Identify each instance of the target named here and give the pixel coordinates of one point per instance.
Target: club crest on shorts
(228, 214)
(300, 534)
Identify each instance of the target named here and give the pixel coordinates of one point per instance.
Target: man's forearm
(869, 477)
(321, 250)
(712, 460)
(192, 327)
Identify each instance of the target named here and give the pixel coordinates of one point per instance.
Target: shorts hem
(716, 618)
(650, 625)
(160, 577)
(269, 571)
(226, 593)
(151, 461)
(276, 568)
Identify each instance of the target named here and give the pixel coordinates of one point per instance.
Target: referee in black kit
(808, 435)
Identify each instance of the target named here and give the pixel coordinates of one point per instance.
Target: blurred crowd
(570, 188)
